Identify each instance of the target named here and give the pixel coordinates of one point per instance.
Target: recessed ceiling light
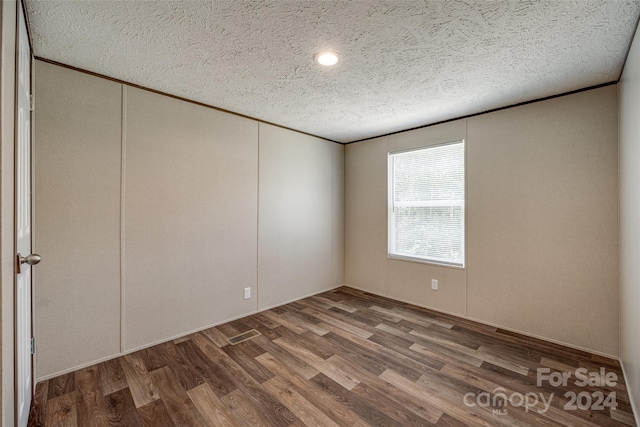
(326, 57)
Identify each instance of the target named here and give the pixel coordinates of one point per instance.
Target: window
(426, 204)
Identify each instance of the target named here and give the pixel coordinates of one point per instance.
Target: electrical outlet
(247, 293)
(434, 284)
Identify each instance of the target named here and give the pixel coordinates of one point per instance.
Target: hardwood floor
(342, 358)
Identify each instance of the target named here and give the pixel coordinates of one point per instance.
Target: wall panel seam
(123, 157)
(258, 220)
(344, 215)
(466, 218)
(333, 216)
(386, 222)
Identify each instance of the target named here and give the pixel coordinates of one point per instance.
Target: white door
(24, 261)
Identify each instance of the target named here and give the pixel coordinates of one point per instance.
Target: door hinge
(33, 345)
(31, 106)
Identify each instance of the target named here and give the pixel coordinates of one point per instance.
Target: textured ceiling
(404, 63)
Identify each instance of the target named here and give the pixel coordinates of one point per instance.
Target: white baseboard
(495, 325)
(634, 407)
(129, 351)
(163, 340)
(297, 299)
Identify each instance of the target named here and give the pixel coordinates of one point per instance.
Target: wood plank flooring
(342, 358)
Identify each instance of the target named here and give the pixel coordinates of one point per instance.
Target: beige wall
(542, 225)
(7, 247)
(182, 215)
(295, 216)
(629, 160)
(189, 218)
(366, 215)
(541, 255)
(77, 217)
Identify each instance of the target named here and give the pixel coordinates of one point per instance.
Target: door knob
(32, 259)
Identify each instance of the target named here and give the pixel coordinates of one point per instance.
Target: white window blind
(426, 204)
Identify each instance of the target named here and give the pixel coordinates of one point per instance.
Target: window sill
(423, 261)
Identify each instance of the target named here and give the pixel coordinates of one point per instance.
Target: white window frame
(391, 204)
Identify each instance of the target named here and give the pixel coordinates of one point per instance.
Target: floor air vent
(243, 337)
